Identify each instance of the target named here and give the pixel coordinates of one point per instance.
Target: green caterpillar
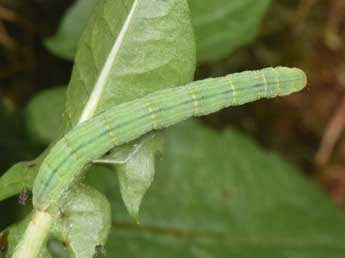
(123, 123)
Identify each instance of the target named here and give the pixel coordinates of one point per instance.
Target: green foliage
(83, 224)
(47, 106)
(221, 26)
(15, 143)
(65, 42)
(137, 174)
(43, 122)
(19, 177)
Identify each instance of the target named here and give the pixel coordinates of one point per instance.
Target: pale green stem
(34, 237)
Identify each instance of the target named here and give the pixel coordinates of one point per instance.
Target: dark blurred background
(307, 128)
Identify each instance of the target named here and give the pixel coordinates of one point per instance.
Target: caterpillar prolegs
(128, 121)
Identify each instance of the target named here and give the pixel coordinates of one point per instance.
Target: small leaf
(222, 26)
(44, 114)
(85, 222)
(65, 42)
(137, 174)
(19, 177)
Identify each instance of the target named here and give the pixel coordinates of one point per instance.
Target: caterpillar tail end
(302, 80)
(291, 80)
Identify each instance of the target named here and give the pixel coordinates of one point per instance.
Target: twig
(332, 134)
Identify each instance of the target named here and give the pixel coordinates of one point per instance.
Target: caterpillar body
(125, 122)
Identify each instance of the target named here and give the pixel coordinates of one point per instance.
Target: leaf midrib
(102, 79)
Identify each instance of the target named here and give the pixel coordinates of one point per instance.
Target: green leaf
(44, 114)
(136, 175)
(222, 26)
(65, 42)
(220, 195)
(19, 177)
(135, 169)
(83, 226)
(85, 222)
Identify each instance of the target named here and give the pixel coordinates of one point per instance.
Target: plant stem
(34, 237)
